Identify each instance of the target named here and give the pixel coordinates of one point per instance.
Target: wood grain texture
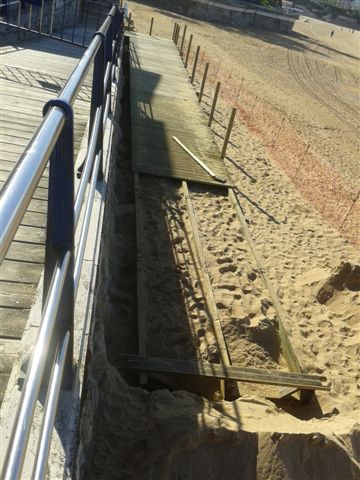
(163, 105)
(30, 76)
(239, 374)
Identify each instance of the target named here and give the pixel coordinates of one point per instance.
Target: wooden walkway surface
(31, 73)
(163, 105)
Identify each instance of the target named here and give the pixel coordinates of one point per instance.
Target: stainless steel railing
(54, 19)
(54, 140)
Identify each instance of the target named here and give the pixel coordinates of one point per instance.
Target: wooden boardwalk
(163, 105)
(31, 73)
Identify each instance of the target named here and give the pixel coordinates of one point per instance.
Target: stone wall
(235, 16)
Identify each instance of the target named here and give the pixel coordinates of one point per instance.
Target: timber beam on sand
(286, 346)
(226, 372)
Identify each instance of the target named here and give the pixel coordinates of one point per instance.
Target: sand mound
(341, 293)
(164, 435)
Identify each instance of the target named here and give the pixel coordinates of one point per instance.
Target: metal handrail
(27, 173)
(54, 140)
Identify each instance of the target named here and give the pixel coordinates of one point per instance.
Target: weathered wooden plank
(9, 148)
(26, 252)
(286, 347)
(8, 136)
(43, 183)
(38, 206)
(29, 234)
(156, 117)
(8, 156)
(236, 373)
(16, 295)
(13, 321)
(206, 285)
(29, 125)
(23, 272)
(34, 103)
(34, 219)
(17, 113)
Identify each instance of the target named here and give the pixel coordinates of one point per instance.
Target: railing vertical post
(117, 29)
(108, 59)
(75, 18)
(19, 15)
(97, 96)
(52, 17)
(63, 21)
(41, 16)
(60, 229)
(98, 16)
(30, 16)
(116, 23)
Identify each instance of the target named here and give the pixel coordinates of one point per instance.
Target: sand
(131, 433)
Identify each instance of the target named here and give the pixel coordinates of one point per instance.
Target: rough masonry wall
(216, 13)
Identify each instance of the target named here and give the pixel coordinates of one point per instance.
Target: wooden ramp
(31, 73)
(163, 105)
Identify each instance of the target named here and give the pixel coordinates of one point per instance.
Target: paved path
(31, 73)
(163, 105)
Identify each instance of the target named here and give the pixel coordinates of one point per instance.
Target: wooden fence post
(301, 161)
(213, 106)
(188, 51)
(237, 97)
(182, 41)
(177, 34)
(202, 58)
(203, 82)
(278, 133)
(195, 64)
(352, 206)
(227, 136)
(252, 108)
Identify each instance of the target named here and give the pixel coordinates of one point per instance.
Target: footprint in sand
(227, 286)
(227, 268)
(224, 260)
(177, 240)
(252, 276)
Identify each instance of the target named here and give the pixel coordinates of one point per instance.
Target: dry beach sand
(315, 271)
